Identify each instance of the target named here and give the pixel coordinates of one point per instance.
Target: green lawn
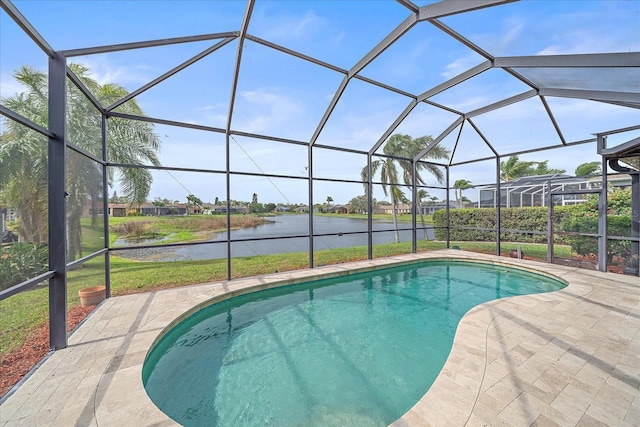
(21, 313)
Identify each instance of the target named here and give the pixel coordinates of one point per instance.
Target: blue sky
(279, 95)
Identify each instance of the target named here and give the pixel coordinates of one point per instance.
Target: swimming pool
(353, 350)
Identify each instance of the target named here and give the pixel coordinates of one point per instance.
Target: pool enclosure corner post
(635, 214)
(232, 100)
(369, 209)
(498, 204)
(446, 206)
(414, 207)
(602, 214)
(310, 177)
(228, 202)
(550, 231)
(105, 208)
(57, 205)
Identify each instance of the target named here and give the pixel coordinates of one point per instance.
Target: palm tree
(404, 146)
(459, 186)
(158, 203)
(413, 147)
(389, 179)
(514, 168)
(193, 200)
(422, 194)
(590, 168)
(23, 153)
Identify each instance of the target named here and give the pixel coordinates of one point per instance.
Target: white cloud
(458, 66)
(285, 26)
(514, 30)
(264, 109)
(130, 76)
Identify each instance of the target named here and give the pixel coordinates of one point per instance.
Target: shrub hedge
(526, 219)
(617, 225)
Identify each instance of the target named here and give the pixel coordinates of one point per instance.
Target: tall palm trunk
(424, 229)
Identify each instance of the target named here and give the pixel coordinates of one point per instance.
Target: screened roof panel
(423, 58)
(552, 27)
(13, 39)
(518, 127)
(204, 148)
(324, 31)
(484, 89)
(617, 139)
(424, 120)
(600, 79)
(331, 164)
(177, 185)
(580, 119)
(132, 69)
(361, 116)
(71, 24)
(286, 99)
(471, 146)
(256, 155)
(208, 105)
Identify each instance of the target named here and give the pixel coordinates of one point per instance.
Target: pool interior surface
(354, 350)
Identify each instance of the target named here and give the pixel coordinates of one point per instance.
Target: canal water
(274, 230)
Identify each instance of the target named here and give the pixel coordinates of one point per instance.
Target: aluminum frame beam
(26, 26)
(622, 149)
(471, 72)
(85, 90)
(453, 7)
(502, 103)
(593, 95)
(595, 60)
(144, 44)
(553, 120)
(409, 5)
(459, 37)
(408, 109)
(25, 122)
(391, 38)
(481, 135)
(440, 137)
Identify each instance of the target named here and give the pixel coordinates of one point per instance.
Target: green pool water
(357, 350)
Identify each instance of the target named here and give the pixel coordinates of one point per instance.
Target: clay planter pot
(92, 296)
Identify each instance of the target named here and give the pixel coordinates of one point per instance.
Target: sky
(279, 95)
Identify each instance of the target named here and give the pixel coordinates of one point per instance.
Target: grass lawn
(23, 312)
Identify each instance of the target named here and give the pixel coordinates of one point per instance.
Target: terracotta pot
(92, 296)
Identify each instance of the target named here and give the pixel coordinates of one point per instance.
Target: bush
(21, 261)
(618, 225)
(525, 219)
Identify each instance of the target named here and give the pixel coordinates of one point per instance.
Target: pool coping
(504, 365)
